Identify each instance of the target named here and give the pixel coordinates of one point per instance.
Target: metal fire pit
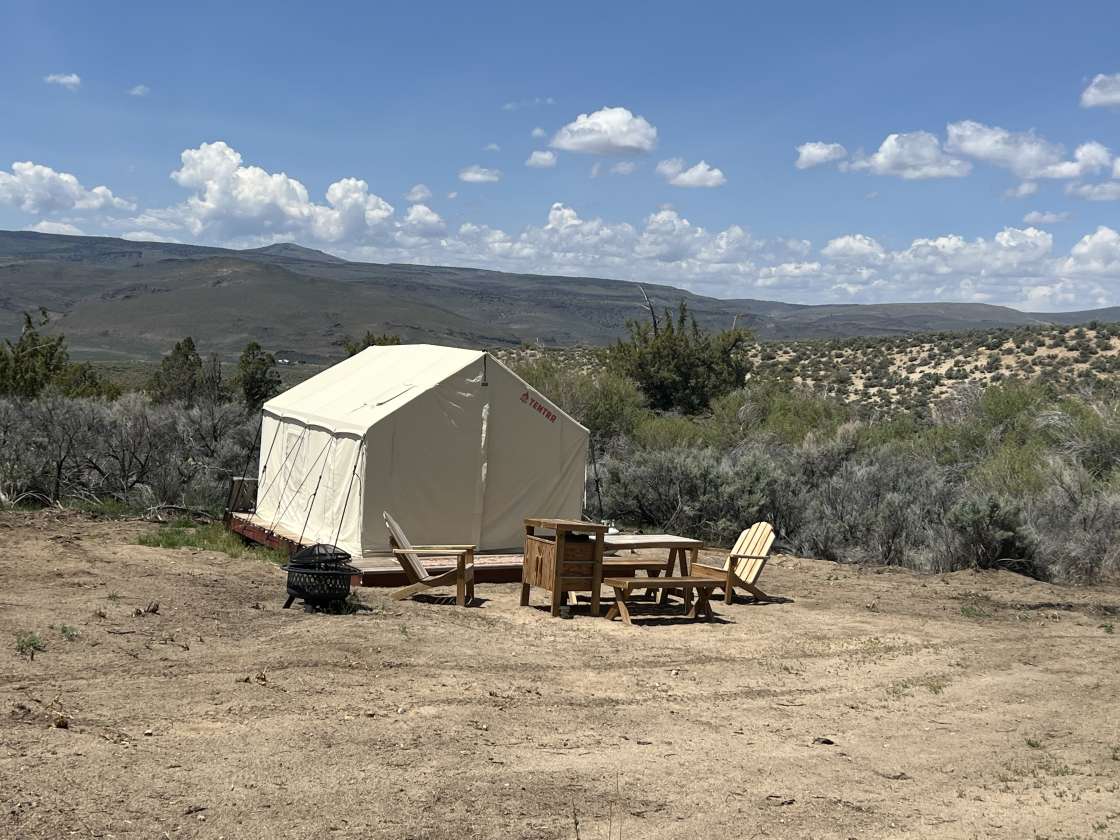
(319, 575)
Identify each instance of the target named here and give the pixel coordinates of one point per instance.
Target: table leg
(672, 561)
(702, 607)
(524, 594)
(652, 592)
(686, 568)
(687, 559)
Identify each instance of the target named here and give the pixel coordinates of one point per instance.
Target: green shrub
(875, 507)
(668, 431)
(257, 376)
(989, 533)
(678, 366)
(1078, 525)
(1015, 468)
(698, 492)
(28, 644)
(35, 363)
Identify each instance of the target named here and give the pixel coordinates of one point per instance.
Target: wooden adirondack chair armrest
(449, 546)
(713, 572)
(434, 552)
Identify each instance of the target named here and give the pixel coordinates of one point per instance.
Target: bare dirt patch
(871, 705)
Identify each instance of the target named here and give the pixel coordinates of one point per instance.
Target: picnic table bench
(625, 586)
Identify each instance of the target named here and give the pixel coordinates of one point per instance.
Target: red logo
(541, 409)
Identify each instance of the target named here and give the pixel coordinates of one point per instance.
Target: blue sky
(998, 111)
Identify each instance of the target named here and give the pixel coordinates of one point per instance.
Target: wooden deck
(488, 568)
(377, 571)
(257, 530)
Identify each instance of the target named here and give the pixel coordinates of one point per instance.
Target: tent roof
(355, 394)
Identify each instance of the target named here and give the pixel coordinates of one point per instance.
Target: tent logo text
(541, 409)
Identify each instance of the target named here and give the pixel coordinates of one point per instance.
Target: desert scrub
(212, 537)
(28, 644)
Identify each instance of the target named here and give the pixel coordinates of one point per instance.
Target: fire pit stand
(319, 575)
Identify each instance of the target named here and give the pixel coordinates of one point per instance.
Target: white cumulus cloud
(1024, 153)
(1038, 217)
(146, 236)
(816, 153)
(1104, 191)
(70, 81)
(47, 226)
(231, 201)
(913, 156)
(421, 220)
(537, 133)
(624, 167)
(607, 131)
(1097, 253)
(679, 174)
(854, 246)
(1022, 190)
(418, 193)
(541, 160)
(491, 147)
(34, 188)
(139, 90)
(476, 174)
(1102, 91)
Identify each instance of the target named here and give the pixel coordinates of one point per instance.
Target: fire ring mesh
(319, 575)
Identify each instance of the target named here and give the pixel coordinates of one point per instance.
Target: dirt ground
(870, 704)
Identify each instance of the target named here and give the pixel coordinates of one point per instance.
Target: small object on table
(567, 561)
(624, 587)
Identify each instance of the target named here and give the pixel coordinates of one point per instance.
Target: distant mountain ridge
(117, 298)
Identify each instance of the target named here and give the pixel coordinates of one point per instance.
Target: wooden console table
(570, 559)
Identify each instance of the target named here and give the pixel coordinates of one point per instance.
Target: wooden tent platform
(256, 530)
(488, 568)
(377, 571)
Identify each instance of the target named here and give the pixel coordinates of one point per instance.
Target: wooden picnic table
(624, 586)
(683, 551)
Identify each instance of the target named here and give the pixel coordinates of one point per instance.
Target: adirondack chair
(408, 555)
(744, 563)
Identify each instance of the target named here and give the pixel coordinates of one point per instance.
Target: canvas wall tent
(451, 442)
